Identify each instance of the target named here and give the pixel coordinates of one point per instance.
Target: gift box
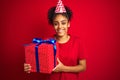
(41, 55)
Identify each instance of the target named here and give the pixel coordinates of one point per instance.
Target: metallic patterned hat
(60, 7)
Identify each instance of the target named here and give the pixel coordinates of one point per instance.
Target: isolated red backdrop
(97, 22)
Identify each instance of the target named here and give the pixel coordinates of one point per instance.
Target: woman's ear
(69, 24)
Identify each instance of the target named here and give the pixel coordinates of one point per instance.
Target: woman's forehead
(60, 21)
(60, 17)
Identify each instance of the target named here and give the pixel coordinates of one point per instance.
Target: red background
(97, 22)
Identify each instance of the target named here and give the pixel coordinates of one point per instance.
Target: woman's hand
(60, 67)
(77, 68)
(27, 68)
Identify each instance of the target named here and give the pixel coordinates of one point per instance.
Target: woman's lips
(60, 30)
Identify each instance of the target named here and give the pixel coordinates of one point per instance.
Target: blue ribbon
(38, 42)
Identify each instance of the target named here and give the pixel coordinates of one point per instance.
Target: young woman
(71, 59)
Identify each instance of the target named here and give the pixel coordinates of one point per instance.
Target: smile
(60, 30)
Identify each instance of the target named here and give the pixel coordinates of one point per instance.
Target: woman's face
(61, 25)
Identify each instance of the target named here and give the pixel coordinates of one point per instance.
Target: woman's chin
(60, 35)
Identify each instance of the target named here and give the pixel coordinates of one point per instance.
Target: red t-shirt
(69, 54)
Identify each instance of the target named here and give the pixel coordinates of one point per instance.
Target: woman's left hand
(60, 67)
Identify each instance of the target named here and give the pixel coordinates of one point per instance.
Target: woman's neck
(63, 39)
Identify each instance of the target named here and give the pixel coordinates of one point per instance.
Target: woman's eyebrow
(55, 21)
(60, 21)
(63, 20)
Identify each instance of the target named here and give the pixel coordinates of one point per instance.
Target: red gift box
(46, 57)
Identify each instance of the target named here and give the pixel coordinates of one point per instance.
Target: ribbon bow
(38, 42)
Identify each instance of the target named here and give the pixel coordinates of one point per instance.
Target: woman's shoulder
(75, 37)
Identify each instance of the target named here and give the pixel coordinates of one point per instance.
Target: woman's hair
(52, 14)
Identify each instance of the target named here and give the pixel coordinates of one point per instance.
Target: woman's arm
(78, 68)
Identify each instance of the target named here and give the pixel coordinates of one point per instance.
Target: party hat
(60, 7)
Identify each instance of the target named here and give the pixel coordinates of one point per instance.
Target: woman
(71, 60)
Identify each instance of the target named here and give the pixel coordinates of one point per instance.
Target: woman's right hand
(27, 68)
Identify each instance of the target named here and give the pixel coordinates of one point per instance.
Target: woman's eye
(55, 24)
(63, 23)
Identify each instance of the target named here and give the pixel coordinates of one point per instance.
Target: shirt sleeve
(81, 53)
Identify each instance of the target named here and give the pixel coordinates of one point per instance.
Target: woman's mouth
(60, 30)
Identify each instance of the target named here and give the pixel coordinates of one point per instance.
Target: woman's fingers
(27, 68)
(58, 60)
(54, 68)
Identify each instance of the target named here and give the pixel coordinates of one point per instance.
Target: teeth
(60, 30)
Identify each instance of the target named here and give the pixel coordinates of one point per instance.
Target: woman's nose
(59, 26)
